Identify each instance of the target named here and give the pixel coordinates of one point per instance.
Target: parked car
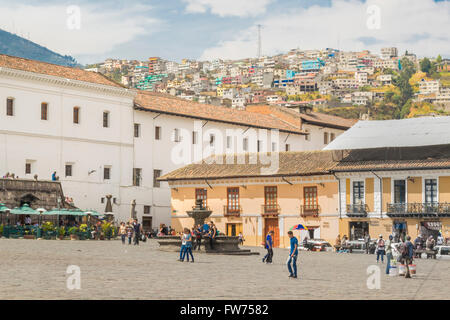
(316, 245)
(443, 252)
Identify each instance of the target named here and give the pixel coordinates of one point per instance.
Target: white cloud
(101, 28)
(420, 26)
(223, 8)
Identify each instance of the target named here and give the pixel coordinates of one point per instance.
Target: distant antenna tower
(259, 41)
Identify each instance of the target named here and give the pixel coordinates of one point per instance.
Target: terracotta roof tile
(55, 70)
(292, 116)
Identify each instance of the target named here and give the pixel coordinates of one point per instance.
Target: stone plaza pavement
(36, 269)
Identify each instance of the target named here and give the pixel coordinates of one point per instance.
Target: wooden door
(269, 225)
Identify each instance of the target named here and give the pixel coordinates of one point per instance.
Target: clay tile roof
(290, 164)
(165, 103)
(55, 70)
(316, 118)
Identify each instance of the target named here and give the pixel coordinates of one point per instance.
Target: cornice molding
(64, 82)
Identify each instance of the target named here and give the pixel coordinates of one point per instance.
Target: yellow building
(242, 200)
(220, 91)
(323, 190)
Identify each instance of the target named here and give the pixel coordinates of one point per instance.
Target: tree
(439, 59)
(425, 65)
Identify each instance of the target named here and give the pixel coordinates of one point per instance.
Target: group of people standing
(192, 239)
(132, 227)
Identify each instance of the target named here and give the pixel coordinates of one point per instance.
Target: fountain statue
(222, 244)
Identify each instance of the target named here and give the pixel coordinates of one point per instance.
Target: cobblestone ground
(36, 269)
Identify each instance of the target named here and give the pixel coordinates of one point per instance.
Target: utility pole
(259, 41)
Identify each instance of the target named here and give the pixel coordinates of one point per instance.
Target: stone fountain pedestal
(222, 244)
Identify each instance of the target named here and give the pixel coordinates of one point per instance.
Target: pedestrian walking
(186, 242)
(292, 256)
(241, 239)
(269, 246)
(367, 242)
(380, 249)
(129, 233)
(407, 251)
(389, 256)
(137, 231)
(123, 232)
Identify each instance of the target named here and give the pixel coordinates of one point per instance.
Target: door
(233, 229)
(269, 225)
(147, 224)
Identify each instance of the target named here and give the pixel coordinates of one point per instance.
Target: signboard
(326, 224)
(432, 225)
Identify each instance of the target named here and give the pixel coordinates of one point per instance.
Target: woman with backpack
(380, 249)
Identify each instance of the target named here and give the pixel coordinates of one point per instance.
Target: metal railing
(232, 211)
(357, 210)
(309, 210)
(419, 209)
(270, 209)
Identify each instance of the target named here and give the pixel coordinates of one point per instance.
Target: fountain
(222, 244)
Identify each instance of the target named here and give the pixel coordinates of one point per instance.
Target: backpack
(404, 250)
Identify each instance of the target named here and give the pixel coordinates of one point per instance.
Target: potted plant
(82, 234)
(61, 233)
(107, 230)
(28, 234)
(73, 233)
(48, 230)
(1, 230)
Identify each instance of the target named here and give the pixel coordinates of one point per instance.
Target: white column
(377, 197)
(343, 197)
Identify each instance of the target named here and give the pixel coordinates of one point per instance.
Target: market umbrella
(25, 209)
(3, 209)
(299, 227)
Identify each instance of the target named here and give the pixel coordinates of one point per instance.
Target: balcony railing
(232, 211)
(357, 210)
(309, 210)
(270, 210)
(431, 209)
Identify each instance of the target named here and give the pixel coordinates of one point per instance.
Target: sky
(92, 31)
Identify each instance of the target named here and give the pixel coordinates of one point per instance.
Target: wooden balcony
(232, 211)
(431, 209)
(270, 210)
(309, 211)
(357, 210)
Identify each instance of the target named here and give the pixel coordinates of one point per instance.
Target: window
(76, 115)
(358, 192)
(310, 198)
(27, 168)
(430, 190)
(68, 170)
(202, 193)
(212, 140)
(233, 200)
(258, 146)
(308, 135)
(10, 107)
(157, 133)
(399, 191)
(106, 173)
(229, 141)
(105, 119)
(102, 200)
(137, 130)
(245, 144)
(194, 137)
(325, 137)
(44, 111)
(147, 209)
(288, 147)
(137, 174)
(156, 175)
(270, 199)
(332, 136)
(274, 147)
(176, 135)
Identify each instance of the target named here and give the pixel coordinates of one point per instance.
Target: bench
(429, 253)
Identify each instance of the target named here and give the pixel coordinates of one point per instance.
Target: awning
(64, 212)
(25, 209)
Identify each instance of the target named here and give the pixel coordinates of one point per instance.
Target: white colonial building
(103, 139)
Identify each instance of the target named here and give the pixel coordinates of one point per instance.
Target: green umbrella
(65, 212)
(3, 208)
(25, 209)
